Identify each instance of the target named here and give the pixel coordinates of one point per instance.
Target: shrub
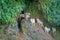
(51, 9)
(9, 9)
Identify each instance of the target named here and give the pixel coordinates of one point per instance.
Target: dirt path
(21, 36)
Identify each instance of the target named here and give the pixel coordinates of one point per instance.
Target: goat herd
(33, 21)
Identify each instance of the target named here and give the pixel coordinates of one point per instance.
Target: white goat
(32, 21)
(53, 32)
(39, 22)
(53, 29)
(47, 29)
(27, 16)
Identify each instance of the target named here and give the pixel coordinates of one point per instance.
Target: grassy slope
(58, 35)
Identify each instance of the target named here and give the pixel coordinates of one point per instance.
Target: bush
(51, 9)
(9, 9)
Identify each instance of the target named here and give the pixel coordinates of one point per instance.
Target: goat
(54, 32)
(47, 29)
(53, 29)
(27, 16)
(32, 21)
(39, 22)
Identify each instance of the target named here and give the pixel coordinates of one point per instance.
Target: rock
(8, 33)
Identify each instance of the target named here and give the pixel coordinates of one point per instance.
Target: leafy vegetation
(51, 10)
(33, 10)
(9, 9)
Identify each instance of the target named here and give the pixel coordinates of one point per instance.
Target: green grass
(58, 35)
(0, 27)
(33, 10)
(23, 26)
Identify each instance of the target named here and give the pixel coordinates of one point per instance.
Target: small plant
(0, 27)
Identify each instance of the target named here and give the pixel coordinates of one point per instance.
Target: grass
(0, 27)
(58, 35)
(33, 10)
(23, 26)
